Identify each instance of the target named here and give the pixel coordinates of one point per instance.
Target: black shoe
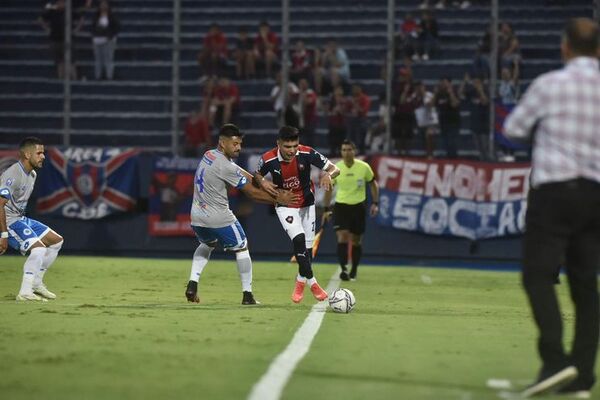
(344, 276)
(353, 275)
(576, 390)
(191, 292)
(551, 381)
(248, 299)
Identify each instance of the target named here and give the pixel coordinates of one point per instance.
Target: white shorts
(298, 220)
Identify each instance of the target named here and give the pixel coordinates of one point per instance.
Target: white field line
(271, 384)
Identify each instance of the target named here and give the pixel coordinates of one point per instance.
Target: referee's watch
(3, 235)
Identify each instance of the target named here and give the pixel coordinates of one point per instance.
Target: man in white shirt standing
(560, 111)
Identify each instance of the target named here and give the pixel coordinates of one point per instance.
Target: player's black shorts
(349, 217)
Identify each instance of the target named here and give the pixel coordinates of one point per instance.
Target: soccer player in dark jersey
(289, 165)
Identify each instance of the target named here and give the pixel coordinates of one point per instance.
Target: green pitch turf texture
(121, 329)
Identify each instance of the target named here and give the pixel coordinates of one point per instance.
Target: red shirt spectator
(269, 40)
(308, 103)
(226, 90)
(409, 26)
(361, 103)
(216, 42)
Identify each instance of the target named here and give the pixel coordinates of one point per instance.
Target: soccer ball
(342, 301)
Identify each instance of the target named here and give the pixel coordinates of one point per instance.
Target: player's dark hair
(230, 130)
(349, 142)
(30, 141)
(287, 133)
(583, 36)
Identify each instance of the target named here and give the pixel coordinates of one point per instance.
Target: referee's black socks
(342, 253)
(356, 255)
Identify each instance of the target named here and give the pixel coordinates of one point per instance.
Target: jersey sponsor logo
(291, 183)
(277, 171)
(289, 219)
(27, 232)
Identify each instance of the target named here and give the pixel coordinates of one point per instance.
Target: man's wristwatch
(3, 235)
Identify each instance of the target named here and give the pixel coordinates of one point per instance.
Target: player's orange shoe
(318, 292)
(298, 293)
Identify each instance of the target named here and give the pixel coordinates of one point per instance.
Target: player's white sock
(31, 267)
(300, 278)
(244, 265)
(201, 257)
(311, 281)
(49, 257)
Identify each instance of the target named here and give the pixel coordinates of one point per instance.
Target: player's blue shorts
(25, 232)
(231, 237)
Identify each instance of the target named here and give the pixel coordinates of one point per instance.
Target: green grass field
(121, 329)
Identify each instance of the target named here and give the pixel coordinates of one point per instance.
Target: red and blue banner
(502, 112)
(468, 199)
(172, 191)
(170, 198)
(88, 183)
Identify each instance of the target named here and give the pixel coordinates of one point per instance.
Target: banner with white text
(468, 199)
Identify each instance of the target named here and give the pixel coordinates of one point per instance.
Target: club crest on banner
(88, 183)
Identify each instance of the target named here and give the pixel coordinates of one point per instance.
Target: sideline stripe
(271, 384)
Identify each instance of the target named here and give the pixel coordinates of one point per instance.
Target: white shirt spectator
(562, 107)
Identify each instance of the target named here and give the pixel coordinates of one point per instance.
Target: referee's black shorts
(350, 217)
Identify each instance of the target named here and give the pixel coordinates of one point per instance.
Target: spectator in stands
(375, 139)
(472, 92)
(213, 57)
(428, 35)
(448, 105)
(307, 107)
(404, 114)
(285, 109)
(207, 96)
(508, 87)
(245, 67)
(266, 48)
(426, 117)
(508, 93)
(225, 104)
(105, 28)
(197, 135)
(53, 22)
(481, 63)
(409, 33)
(337, 109)
(302, 63)
(359, 105)
(508, 47)
(335, 62)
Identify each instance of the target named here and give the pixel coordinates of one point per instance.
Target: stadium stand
(134, 109)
